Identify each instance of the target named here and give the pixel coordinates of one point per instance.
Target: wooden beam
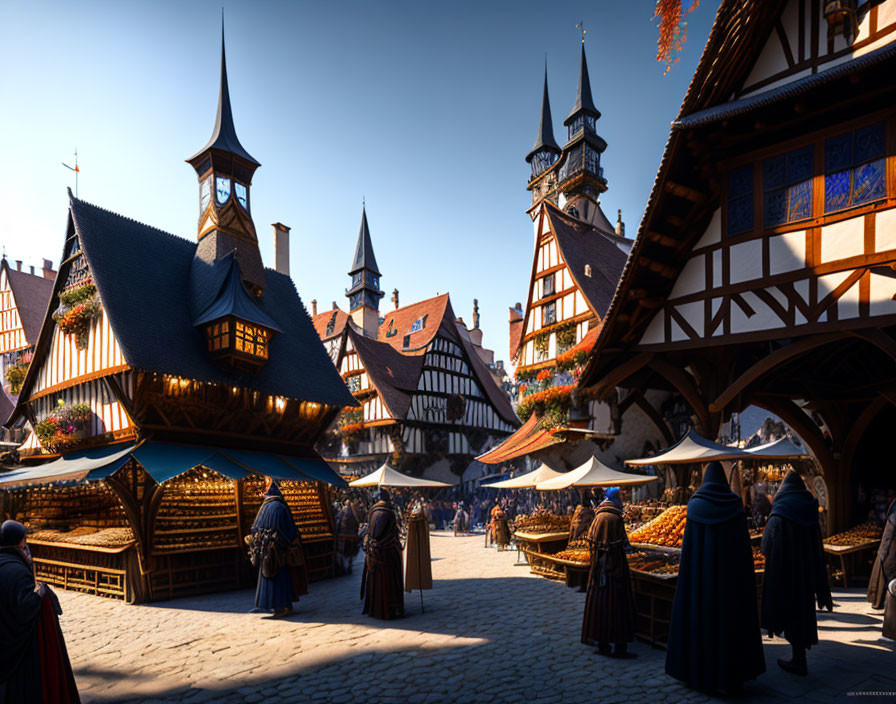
(687, 387)
(682, 191)
(661, 239)
(655, 418)
(611, 380)
(658, 267)
(767, 363)
(879, 339)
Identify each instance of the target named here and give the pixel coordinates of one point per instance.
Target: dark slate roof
(581, 244)
(733, 108)
(32, 294)
(584, 101)
(234, 299)
(6, 406)
(364, 258)
(395, 375)
(545, 139)
(152, 288)
(224, 134)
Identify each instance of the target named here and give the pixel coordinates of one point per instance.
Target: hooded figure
(382, 587)
(884, 573)
(418, 560)
(347, 542)
(609, 603)
(714, 637)
(795, 572)
(34, 666)
(276, 549)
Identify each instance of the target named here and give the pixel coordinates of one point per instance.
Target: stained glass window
(549, 313)
(854, 170)
(740, 200)
(787, 187)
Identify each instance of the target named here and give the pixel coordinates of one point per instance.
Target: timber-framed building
(169, 376)
(763, 269)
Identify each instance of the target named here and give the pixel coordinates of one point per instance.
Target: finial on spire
(581, 25)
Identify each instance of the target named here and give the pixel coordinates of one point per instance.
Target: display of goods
(582, 555)
(307, 509)
(771, 474)
(63, 508)
(863, 533)
(667, 529)
(84, 536)
(198, 512)
(542, 523)
(758, 558)
(654, 562)
(677, 495)
(637, 514)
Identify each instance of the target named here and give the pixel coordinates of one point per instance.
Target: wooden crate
(96, 571)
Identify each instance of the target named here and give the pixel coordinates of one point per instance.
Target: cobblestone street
(490, 632)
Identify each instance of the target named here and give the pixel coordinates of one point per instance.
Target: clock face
(222, 189)
(205, 194)
(242, 195)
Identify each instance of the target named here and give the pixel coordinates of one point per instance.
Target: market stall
(851, 545)
(160, 520)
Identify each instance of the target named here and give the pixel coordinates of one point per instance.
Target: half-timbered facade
(429, 402)
(763, 270)
(577, 260)
(168, 376)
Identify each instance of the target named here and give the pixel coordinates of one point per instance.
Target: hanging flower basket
(64, 428)
(78, 308)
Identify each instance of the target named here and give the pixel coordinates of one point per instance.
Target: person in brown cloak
(714, 639)
(418, 560)
(581, 521)
(795, 572)
(382, 587)
(881, 588)
(500, 529)
(347, 542)
(609, 602)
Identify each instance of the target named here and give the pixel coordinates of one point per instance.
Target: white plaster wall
(885, 230)
(692, 278)
(843, 239)
(655, 331)
(763, 319)
(693, 313)
(883, 288)
(745, 260)
(713, 232)
(787, 252)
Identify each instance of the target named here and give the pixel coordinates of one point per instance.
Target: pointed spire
(584, 102)
(224, 134)
(545, 139)
(364, 258)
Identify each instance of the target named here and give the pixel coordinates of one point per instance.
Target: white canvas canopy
(593, 473)
(386, 476)
(527, 481)
(690, 449)
(782, 449)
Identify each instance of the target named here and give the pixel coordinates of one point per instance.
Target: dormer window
(238, 342)
(547, 286)
(419, 324)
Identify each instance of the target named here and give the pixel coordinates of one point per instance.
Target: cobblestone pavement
(490, 632)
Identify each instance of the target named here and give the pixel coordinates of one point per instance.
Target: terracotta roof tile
(322, 320)
(398, 323)
(32, 294)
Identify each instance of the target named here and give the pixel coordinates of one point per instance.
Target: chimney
(48, 269)
(620, 226)
(18, 264)
(281, 248)
(395, 298)
(334, 305)
(475, 313)
(314, 307)
(32, 269)
(519, 307)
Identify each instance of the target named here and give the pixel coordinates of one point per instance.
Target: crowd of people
(715, 635)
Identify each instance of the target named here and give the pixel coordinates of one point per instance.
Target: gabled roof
(32, 294)
(402, 320)
(321, 322)
(364, 258)
(584, 101)
(152, 288)
(233, 299)
(582, 245)
(527, 439)
(224, 133)
(545, 139)
(393, 374)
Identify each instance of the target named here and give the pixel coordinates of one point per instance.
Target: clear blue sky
(425, 108)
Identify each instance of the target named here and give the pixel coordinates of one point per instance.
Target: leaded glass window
(740, 200)
(354, 383)
(548, 286)
(549, 313)
(854, 168)
(787, 187)
(592, 160)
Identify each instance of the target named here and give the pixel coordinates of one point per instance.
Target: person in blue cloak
(795, 571)
(276, 549)
(714, 639)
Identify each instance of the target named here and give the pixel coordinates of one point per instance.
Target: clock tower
(365, 293)
(225, 172)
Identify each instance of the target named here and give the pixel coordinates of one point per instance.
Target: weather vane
(581, 25)
(75, 169)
